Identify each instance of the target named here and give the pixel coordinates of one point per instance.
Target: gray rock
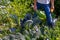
(2, 6)
(17, 36)
(22, 37)
(12, 37)
(6, 38)
(33, 38)
(0, 38)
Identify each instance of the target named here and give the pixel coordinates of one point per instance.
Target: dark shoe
(54, 20)
(53, 24)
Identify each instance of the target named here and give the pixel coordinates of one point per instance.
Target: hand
(35, 7)
(52, 9)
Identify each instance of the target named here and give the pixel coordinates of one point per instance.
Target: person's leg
(48, 14)
(38, 7)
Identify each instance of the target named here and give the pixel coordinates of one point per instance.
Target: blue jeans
(46, 8)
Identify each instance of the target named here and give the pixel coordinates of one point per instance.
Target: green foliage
(57, 7)
(12, 11)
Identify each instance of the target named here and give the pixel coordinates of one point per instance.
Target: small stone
(6, 38)
(0, 38)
